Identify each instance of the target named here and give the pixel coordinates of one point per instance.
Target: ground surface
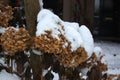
(112, 55)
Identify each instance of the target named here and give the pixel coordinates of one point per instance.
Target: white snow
(48, 21)
(14, 68)
(77, 35)
(74, 37)
(84, 71)
(7, 76)
(2, 29)
(87, 39)
(73, 24)
(37, 52)
(56, 76)
(97, 50)
(45, 71)
(111, 50)
(41, 4)
(2, 62)
(99, 53)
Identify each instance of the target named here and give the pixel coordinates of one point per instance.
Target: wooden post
(32, 8)
(37, 66)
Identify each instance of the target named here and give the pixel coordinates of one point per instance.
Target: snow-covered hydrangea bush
(71, 43)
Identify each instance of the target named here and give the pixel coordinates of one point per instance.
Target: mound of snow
(7, 76)
(78, 36)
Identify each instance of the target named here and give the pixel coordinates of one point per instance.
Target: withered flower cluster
(15, 40)
(113, 77)
(5, 14)
(93, 60)
(48, 44)
(74, 58)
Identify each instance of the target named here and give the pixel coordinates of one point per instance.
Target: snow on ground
(2, 62)
(7, 76)
(112, 55)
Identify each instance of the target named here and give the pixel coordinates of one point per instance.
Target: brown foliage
(95, 73)
(15, 40)
(47, 44)
(5, 14)
(75, 58)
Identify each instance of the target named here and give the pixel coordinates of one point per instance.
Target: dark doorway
(107, 27)
(109, 18)
(117, 16)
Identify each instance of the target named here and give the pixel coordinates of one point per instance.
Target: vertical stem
(11, 65)
(37, 66)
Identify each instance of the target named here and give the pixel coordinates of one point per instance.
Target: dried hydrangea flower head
(48, 44)
(72, 44)
(14, 40)
(69, 42)
(5, 14)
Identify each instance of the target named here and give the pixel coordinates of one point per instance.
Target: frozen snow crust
(7, 76)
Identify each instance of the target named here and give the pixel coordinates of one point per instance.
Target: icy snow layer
(78, 36)
(1, 29)
(112, 55)
(7, 76)
(2, 62)
(56, 76)
(87, 39)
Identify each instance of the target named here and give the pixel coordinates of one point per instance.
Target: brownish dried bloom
(75, 58)
(15, 40)
(47, 44)
(5, 14)
(94, 61)
(113, 77)
(62, 50)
